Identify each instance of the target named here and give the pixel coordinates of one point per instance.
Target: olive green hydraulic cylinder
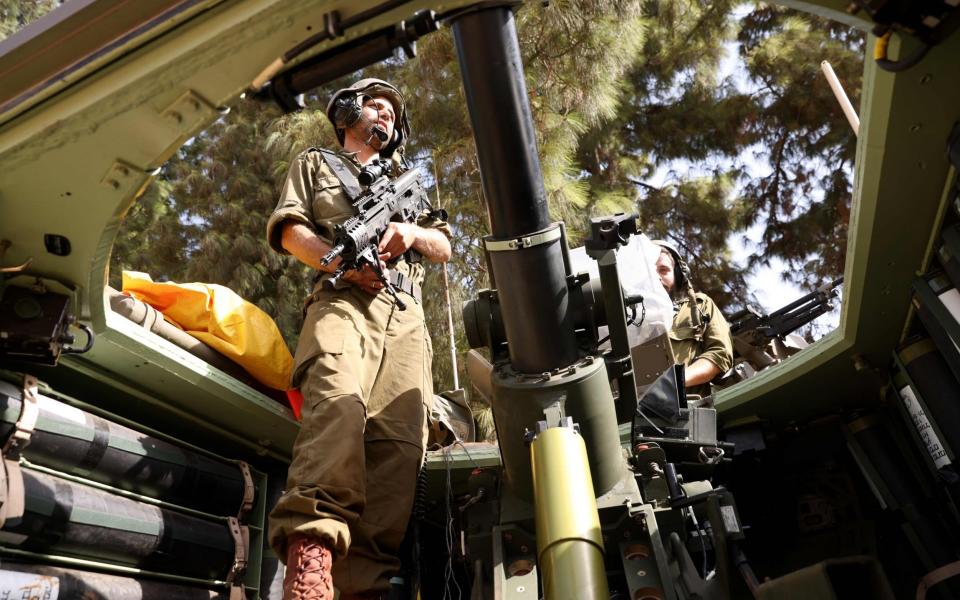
(569, 542)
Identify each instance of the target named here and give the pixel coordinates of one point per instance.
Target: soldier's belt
(405, 284)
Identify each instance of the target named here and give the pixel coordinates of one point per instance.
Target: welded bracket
(515, 573)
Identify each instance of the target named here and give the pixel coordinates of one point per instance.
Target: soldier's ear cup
(347, 111)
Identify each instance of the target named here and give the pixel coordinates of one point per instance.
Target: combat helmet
(681, 268)
(346, 105)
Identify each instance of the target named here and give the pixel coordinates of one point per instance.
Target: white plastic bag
(636, 264)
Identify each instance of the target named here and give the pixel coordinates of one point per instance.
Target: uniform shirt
(711, 340)
(312, 195)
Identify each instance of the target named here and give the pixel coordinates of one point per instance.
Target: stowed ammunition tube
(79, 443)
(569, 542)
(898, 488)
(37, 581)
(64, 517)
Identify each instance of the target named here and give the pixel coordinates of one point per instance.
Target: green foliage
(152, 238)
(805, 199)
(17, 14)
(205, 217)
(622, 92)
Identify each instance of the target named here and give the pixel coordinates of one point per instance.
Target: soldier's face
(379, 111)
(665, 270)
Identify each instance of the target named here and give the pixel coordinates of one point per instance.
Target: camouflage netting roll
(63, 517)
(78, 443)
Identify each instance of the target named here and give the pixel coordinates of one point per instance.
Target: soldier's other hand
(366, 279)
(397, 239)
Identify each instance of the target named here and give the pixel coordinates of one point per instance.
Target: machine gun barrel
(824, 291)
(790, 317)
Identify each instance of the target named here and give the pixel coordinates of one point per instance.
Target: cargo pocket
(330, 335)
(324, 332)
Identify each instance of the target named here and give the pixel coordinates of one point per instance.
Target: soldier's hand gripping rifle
(386, 200)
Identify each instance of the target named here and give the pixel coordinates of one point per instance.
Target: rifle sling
(404, 284)
(348, 180)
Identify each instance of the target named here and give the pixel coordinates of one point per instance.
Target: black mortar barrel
(64, 517)
(78, 443)
(531, 278)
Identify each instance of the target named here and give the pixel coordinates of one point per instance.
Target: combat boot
(309, 562)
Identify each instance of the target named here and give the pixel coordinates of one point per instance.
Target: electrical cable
(703, 545)
(448, 530)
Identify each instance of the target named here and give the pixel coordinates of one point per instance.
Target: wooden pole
(446, 291)
(841, 96)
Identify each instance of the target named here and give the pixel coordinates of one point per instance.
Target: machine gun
(384, 201)
(762, 340)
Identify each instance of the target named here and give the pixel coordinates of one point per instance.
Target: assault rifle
(384, 201)
(762, 340)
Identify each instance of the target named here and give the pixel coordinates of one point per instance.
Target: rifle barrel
(331, 256)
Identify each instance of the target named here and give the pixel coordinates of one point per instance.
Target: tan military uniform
(710, 340)
(364, 368)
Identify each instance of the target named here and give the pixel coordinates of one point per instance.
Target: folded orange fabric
(221, 319)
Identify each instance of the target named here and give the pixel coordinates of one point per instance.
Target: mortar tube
(569, 541)
(535, 305)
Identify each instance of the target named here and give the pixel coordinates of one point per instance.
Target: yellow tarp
(221, 319)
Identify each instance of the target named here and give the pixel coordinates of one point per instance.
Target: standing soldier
(362, 364)
(700, 336)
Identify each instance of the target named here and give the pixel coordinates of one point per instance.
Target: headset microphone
(380, 132)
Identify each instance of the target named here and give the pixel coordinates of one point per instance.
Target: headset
(347, 110)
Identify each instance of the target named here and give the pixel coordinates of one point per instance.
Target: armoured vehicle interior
(139, 464)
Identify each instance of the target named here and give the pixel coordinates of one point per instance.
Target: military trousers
(364, 369)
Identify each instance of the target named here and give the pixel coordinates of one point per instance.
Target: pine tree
(805, 199)
(620, 91)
